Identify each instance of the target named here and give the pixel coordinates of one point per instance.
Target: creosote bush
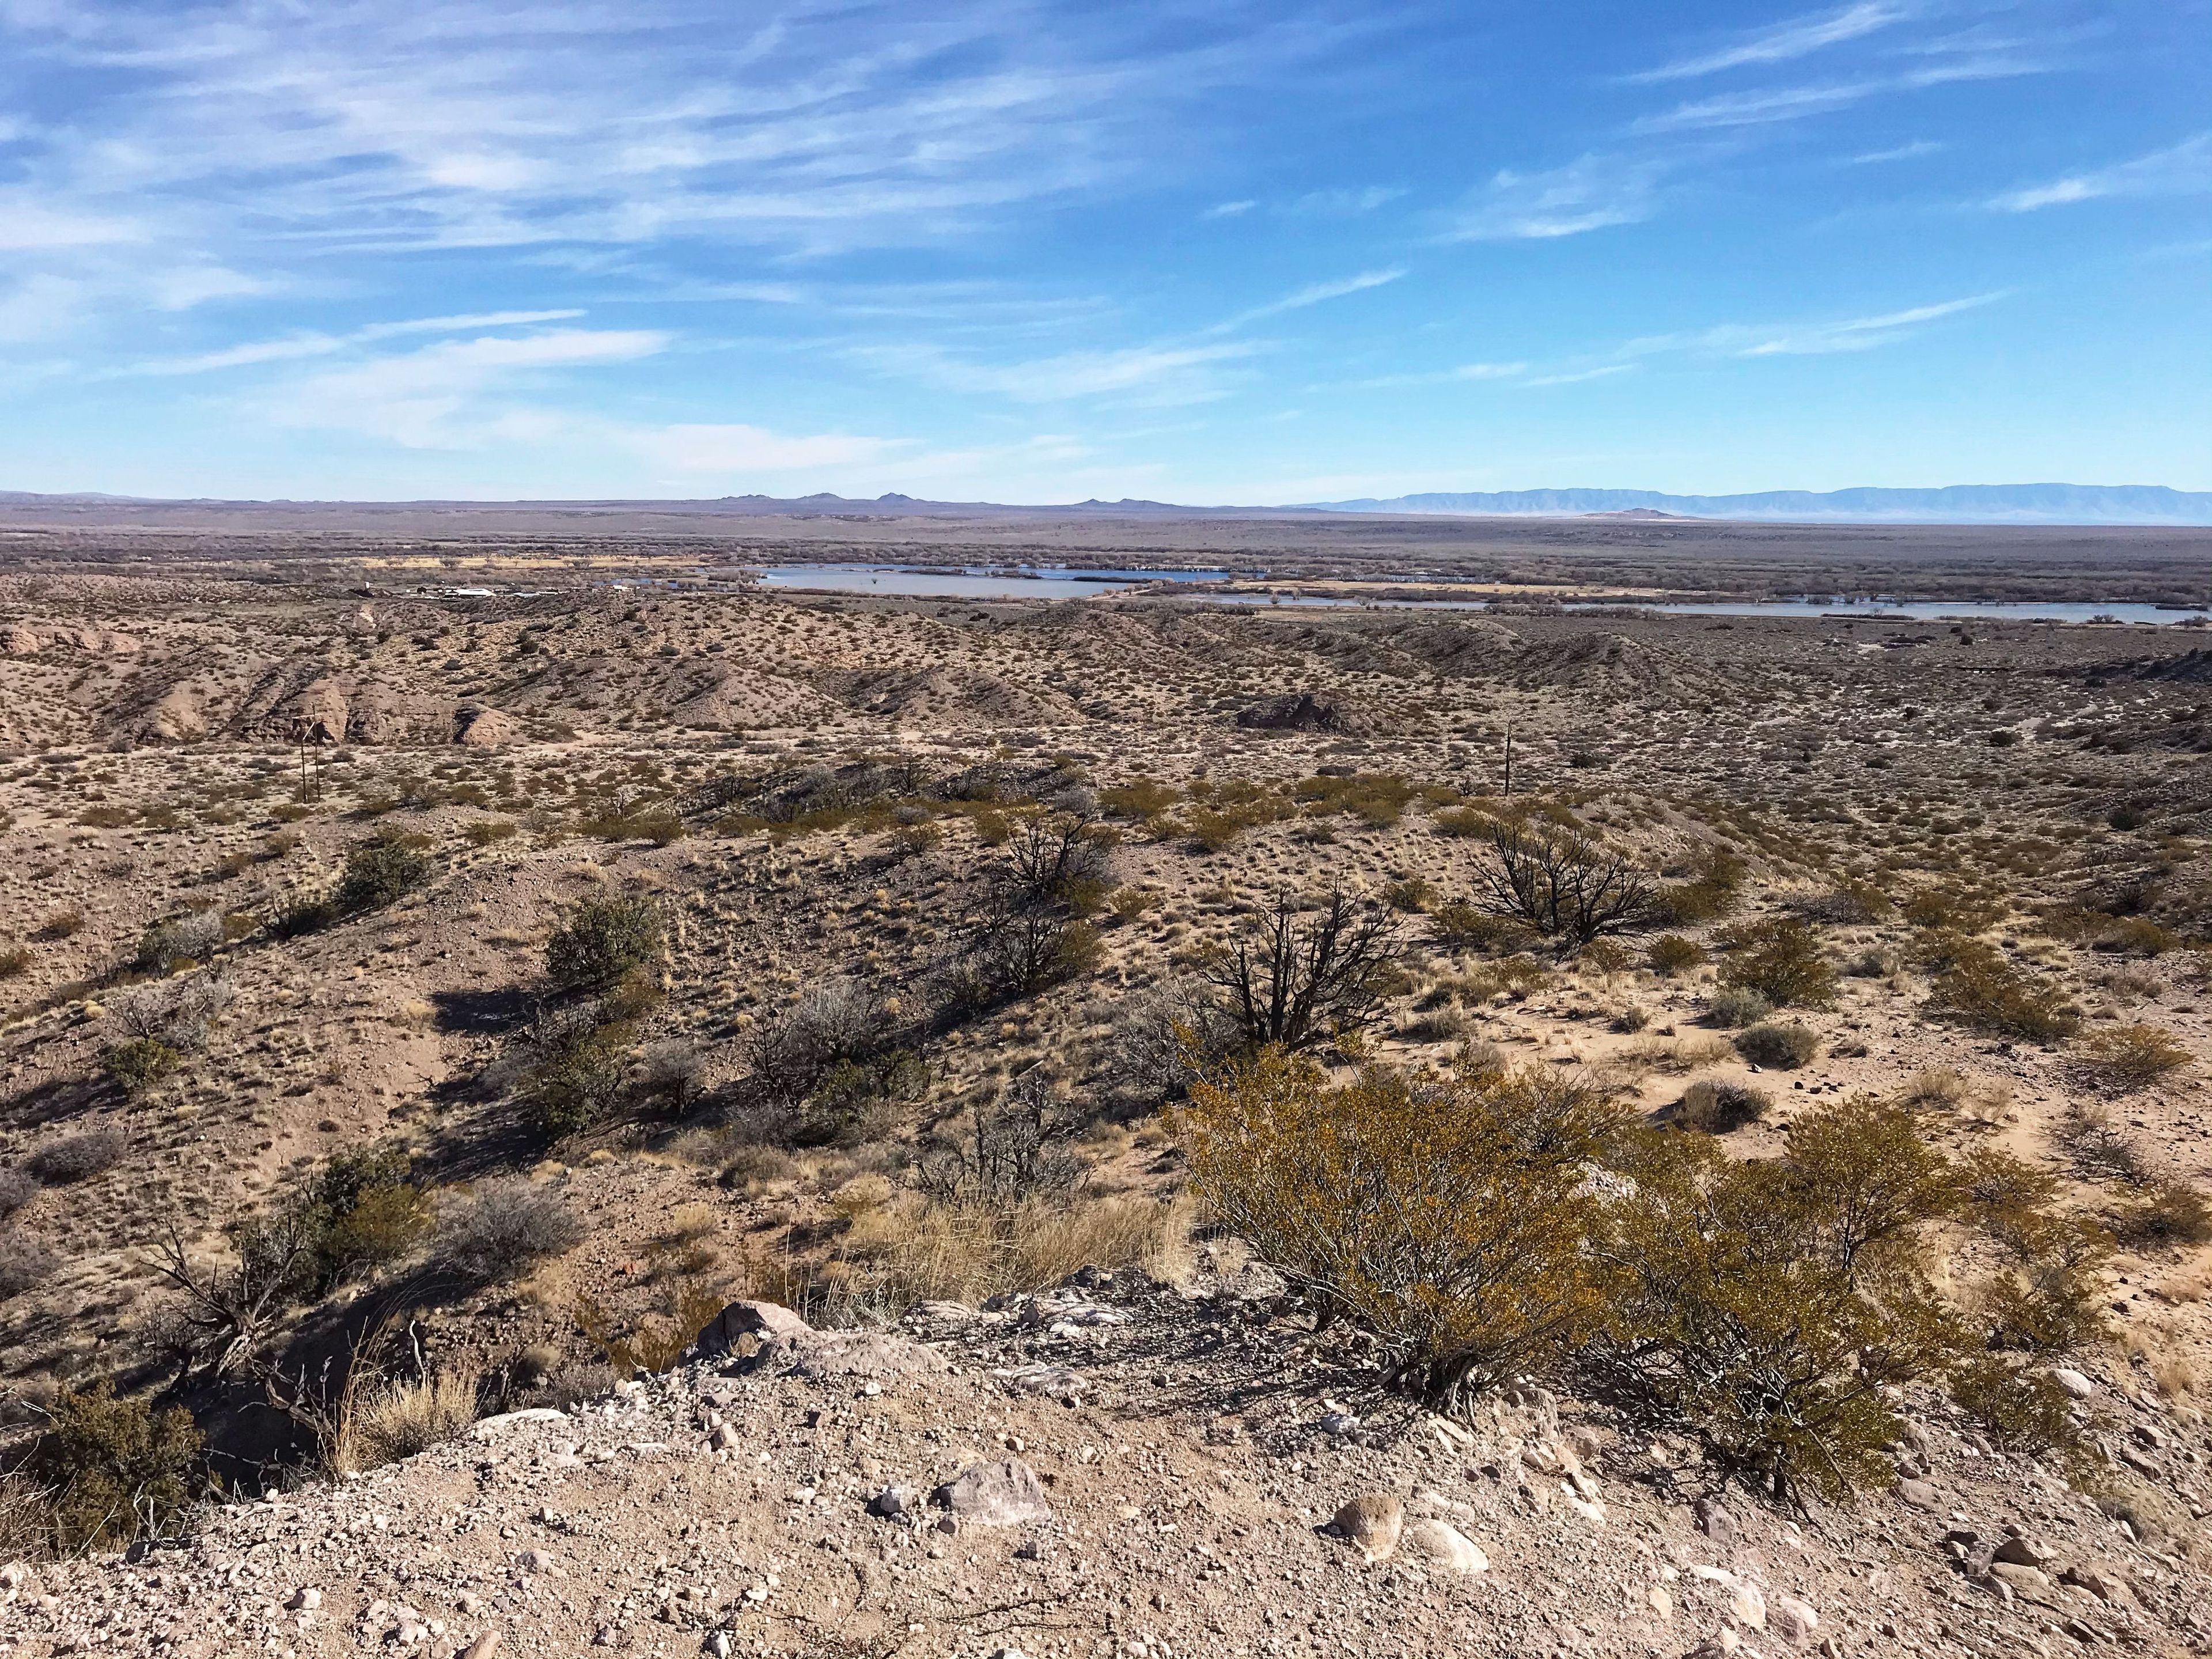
(1763, 1306)
(2128, 1057)
(119, 1469)
(1447, 1213)
(1670, 954)
(136, 1064)
(1780, 958)
(1981, 991)
(602, 942)
(1489, 1222)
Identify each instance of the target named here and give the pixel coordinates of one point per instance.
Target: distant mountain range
(2036, 503)
(1962, 504)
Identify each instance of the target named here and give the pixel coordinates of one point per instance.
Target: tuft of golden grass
(402, 1418)
(910, 1248)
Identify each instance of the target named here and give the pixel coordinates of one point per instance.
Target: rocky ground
(1117, 1466)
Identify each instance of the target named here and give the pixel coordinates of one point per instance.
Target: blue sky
(1040, 251)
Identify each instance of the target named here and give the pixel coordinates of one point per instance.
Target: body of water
(1057, 582)
(1039, 582)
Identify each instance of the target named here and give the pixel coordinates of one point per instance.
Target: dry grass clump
(1680, 1054)
(2133, 1057)
(911, 1248)
(1717, 1108)
(1784, 1048)
(401, 1419)
(1937, 1086)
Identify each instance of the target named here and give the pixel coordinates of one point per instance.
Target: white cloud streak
(1586, 195)
(2183, 169)
(1316, 293)
(1798, 38)
(1805, 339)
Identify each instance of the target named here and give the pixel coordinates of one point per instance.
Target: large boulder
(1308, 711)
(725, 1333)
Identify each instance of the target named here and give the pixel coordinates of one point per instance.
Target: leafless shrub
(1299, 978)
(26, 1261)
(176, 1015)
(167, 944)
(79, 1157)
(2099, 1149)
(17, 1188)
(1160, 1041)
(1019, 1147)
(504, 1228)
(1717, 1108)
(1564, 885)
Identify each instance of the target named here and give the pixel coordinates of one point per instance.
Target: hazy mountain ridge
(1965, 504)
(2034, 503)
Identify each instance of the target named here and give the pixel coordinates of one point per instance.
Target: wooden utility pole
(1509, 761)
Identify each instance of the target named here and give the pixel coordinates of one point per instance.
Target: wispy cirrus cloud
(2182, 169)
(1156, 375)
(1766, 106)
(293, 346)
(455, 394)
(1798, 38)
(1312, 294)
(1588, 194)
(1805, 338)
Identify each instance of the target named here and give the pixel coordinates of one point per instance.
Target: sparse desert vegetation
(616, 954)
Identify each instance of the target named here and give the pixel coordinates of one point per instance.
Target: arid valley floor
(637, 948)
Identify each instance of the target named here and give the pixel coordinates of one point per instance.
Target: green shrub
(138, 1063)
(1784, 1048)
(2022, 1410)
(1780, 958)
(2131, 1057)
(1671, 954)
(1448, 1217)
(1983, 992)
(2167, 1214)
(1765, 1306)
(121, 1470)
(379, 872)
(577, 1080)
(603, 942)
